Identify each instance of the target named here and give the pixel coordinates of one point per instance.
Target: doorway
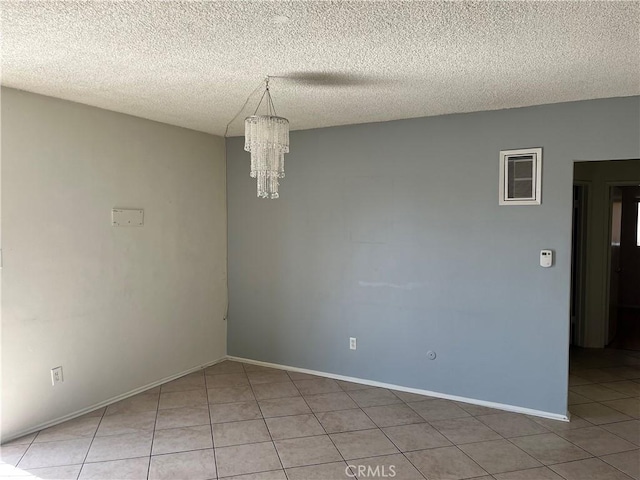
(623, 330)
(605, 273)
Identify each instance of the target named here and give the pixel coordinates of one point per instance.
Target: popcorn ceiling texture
(193, 64)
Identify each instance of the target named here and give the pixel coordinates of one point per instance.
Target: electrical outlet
(56, 376)
(352, 343)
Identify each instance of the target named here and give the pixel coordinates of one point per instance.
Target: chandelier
(267, 138)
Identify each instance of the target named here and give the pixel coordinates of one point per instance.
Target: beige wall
(599, 176)
(118, 308)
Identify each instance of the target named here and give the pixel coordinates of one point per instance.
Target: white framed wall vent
(521, 177)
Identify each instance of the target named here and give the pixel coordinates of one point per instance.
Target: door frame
(607, 289)
(580, 318)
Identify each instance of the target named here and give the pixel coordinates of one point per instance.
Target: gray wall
(118, 308)
(392, 233)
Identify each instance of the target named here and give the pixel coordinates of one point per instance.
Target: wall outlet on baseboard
(352, 343)
(56, 376)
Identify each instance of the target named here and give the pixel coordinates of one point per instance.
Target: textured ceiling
(194, 64)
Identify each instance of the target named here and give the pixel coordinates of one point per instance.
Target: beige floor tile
(597, 375)
(302, 376)
(196, 465)
(230, 394)
(411, 397)
(243, 459)
(499, 456)
(234, 412)
(271, 475)
(597, 441)
(193, 381)
(476, 410)
(224, 367)
(628, 387)
(418, 436)
(628, 372)
(275, 376)
(391, 415)
(629, 430)
(99, 412)
(395, 467)
(182, 417)
(598, 414)
(465, 430)
(53, 454)
(627, 462)
(597, 392)
(576, 399)
(321, 385)
(326, 402)
(589, 469)
(446, 463)
(238, 433)
(559, 425)
(65, 472)
(24, 440)
(267, 391)
(512, 424)
(143, 402)
(294, 426)
(281, 407)
(130, 469)
(182, 439)
(11, 472)
(432, 410)
(120, 447)
(227, 380)
(540, 473)
(70, 430)
(628, 406)
(575, 380)
(549, 448)
(248, 367)
(373, 397)
(126, 423)
(11, 454)
(188, 398)
(345, 421)
(298, 452)
(363, 444)
(351, 386)
(326, 471)
(300, 436)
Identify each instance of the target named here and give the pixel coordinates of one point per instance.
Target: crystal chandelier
(267, 138)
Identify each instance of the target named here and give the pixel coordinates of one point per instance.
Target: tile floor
(245, 422)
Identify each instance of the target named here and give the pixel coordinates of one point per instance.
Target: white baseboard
(373, 383)
(108, 402)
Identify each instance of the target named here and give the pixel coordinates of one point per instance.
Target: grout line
(263, 420)
(394, 444)
(322, 426)
(104, 413)
(29, 446)
(154, 433)
(213, 443)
